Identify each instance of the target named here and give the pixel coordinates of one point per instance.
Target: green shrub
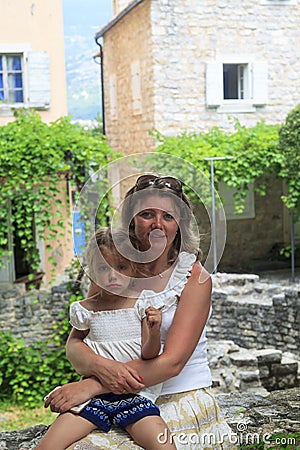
(28, 373)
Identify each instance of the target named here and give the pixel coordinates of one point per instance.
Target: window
(236, 86)
(24, 79)
(11, 79)
(235, 81)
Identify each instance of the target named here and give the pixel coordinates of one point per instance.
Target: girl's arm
(151, 343)
(114, 376)
(186, 329)
(187, 326)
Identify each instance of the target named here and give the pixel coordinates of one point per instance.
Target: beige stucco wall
(39, 25)
(60, 253)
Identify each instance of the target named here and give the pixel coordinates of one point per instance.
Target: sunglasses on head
(171, 183)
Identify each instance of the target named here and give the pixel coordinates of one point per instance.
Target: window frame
(35, 78)
(5, 78)
(256, 85)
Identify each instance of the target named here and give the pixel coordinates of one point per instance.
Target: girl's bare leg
(152, 433)
(67, 429)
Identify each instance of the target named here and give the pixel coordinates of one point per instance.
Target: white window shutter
(260, 82)
(136, 88)
(214, 83)
(39, 80)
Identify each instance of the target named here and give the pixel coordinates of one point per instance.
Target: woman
(158, 214)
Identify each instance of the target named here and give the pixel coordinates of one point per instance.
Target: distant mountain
(81, 22)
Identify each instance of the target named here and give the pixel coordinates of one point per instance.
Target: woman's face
(156, 222)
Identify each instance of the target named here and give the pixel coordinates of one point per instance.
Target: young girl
(111, 324)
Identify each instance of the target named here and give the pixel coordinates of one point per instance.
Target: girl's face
(113, 273)
(156, 222)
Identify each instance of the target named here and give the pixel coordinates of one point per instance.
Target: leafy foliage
(28, 373)
(34, 157)
(289, 145)
(250, 154)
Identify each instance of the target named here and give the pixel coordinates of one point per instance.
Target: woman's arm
(188, 324)
(113, 375)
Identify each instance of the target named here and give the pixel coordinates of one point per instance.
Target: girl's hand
(62, 398)
(154, 318)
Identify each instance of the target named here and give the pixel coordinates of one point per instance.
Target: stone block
(285, 368)
(243, 358)
(249, 376)
(287, 381)
(268, 356)
(264, 371)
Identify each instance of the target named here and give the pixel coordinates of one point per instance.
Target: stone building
(176, 65)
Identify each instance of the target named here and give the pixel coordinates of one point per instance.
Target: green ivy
(252, 155)
(289, 145)
(34, 156)
(28, 373)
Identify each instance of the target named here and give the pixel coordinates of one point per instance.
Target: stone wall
(31, 315)
(174, 40)
(188, 35)
(128, 82)
(252, 313)
(235, 368)
(255, 314)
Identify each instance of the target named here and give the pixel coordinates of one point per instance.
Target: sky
(82, 19)
(95, 13)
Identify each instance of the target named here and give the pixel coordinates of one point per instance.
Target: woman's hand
(115, 376)
(62, 398)
(118, 378)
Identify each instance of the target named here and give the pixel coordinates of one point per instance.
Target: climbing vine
(251, 155)
(289, 146)
(34, 158)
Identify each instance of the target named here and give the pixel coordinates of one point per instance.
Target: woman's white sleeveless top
(196, 373)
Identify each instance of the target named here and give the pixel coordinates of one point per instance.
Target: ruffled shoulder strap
(79, 316)
(165, 299)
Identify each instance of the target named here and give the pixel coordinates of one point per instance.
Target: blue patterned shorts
(119, 410)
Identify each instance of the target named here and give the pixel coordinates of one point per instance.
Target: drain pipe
(102, 84)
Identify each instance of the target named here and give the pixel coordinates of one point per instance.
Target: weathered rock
(254, 417)
(23, 439)
(251, 416)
